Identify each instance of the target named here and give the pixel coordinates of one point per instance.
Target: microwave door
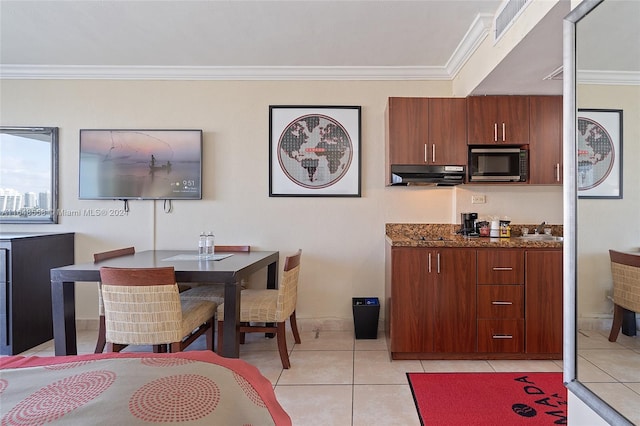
(495, 166)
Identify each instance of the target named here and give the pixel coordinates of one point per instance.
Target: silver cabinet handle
(438, 262)
(429, 262)
(495, 132)
(557, 172)
(425, 153)
(504, 133)
(501, 303)
(502, 268)
(433, 153)
(502, 336)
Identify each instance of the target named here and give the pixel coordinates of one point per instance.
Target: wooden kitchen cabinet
(501, 279)
(500, 266)
(545, 144)
(427, 131)
(447, 131)
(543, 313)
(498, 120)
(407, 130)
(431, 301)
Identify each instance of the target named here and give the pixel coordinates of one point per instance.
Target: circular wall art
(314, 151)
(599, 153)
(595, 153)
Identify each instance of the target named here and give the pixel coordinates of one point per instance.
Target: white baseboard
(599, 323)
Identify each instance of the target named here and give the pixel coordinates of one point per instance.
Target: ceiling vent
(507, 14)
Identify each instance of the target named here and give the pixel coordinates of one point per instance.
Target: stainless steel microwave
(499, 164)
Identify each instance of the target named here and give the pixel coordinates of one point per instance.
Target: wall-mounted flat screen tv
(140, 164)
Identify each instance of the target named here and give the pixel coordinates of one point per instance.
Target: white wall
(605, 224)
(342, 238)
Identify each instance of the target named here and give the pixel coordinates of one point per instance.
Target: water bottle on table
(202, 246)
(209, 244)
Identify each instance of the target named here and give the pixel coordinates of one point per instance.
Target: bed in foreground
(198, 387)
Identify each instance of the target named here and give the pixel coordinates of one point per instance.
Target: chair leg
(294, 327)
(242, 333)
(210, 333)
(618, 313)
(102, 330)
(115, 347)
(220, 328)
(159, 349)
(282, 345)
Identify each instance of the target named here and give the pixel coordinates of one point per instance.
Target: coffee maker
(468, 224)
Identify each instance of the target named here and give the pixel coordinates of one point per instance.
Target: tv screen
(140, 164)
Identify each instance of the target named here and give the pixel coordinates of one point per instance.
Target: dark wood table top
(228, 270)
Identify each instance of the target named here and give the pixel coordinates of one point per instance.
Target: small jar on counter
(505, 229)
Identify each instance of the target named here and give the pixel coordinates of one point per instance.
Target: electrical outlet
(478, 199)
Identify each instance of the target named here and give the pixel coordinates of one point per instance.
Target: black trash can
(366, 311)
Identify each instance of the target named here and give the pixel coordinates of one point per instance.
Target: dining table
(228, 268)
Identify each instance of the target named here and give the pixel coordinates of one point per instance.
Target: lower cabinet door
(501, 335)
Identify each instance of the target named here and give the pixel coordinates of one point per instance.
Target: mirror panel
(601, 63)
(28, 175)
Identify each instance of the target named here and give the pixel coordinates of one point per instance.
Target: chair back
(625, 270)
(98, 257)
(288, 286)
(142, 305)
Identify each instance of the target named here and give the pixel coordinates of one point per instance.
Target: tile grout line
(353, 380)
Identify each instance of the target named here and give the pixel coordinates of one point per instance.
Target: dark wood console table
(25, 294)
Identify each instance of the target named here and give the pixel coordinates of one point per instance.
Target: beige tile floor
(337, 380)
(611, 370)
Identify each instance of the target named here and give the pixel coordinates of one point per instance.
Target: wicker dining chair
(213, 292)
(270, 306)
(143, 307)
(98, 257)
(625, 270)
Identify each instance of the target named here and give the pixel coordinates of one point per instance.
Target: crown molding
(614, 78)
(478, 31)
(75, 72)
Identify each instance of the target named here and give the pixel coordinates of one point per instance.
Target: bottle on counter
(202, 245)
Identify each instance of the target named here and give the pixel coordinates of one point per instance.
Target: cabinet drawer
(500, 301)
(500, 335)
(501, 266)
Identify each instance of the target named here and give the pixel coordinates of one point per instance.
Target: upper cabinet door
(447, 143)
(427, 131)
(500, 120)
(545, 147)
(407, 130)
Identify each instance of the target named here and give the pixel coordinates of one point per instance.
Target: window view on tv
(140, 164)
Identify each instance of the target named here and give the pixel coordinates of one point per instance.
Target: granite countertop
(445, 235)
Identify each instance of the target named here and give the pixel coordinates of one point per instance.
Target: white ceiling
(375, 39)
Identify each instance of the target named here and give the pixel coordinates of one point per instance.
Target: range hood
(407, 174)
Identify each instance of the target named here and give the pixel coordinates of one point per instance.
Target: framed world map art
(599, 140)
(314, 151)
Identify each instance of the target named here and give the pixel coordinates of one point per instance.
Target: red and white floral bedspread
(196, 387)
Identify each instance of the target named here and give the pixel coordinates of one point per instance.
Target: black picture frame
(599, 152)
(314, 151)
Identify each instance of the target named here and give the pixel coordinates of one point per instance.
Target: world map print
(315, 151)
(595, 153)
